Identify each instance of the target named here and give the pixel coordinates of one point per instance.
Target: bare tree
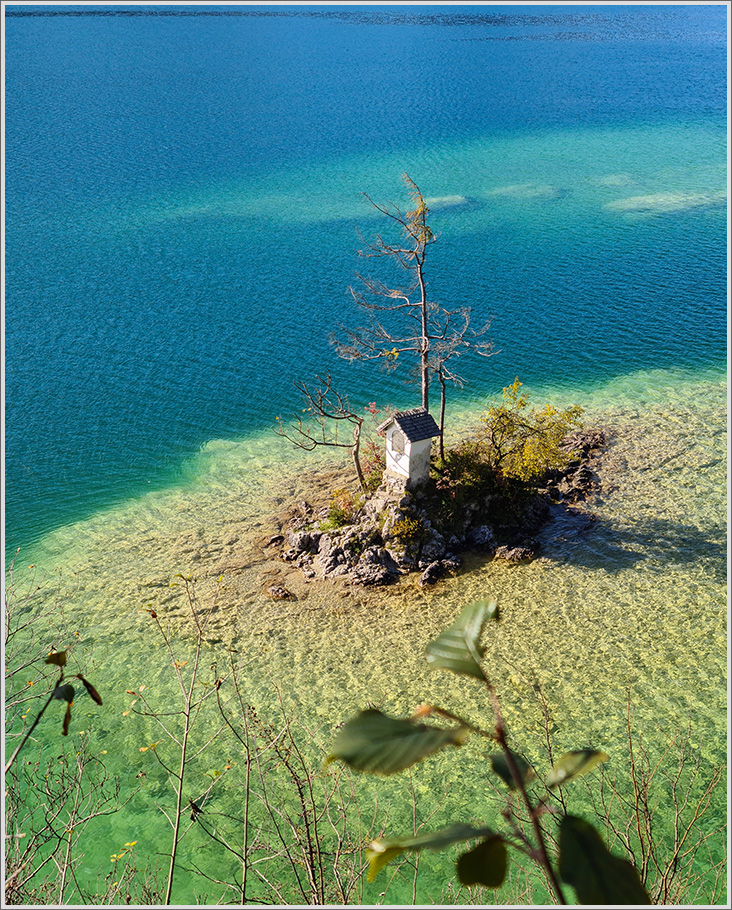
(327, 412)
(375, 341)
(433, 333)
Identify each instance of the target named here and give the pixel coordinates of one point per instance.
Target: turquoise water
(183, 193)
(183, 198)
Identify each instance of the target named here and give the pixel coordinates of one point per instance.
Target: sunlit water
(170, 276)
(635, 604)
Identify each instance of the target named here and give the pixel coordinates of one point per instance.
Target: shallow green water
(634, 605)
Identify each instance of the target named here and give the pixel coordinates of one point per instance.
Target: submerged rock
(279, 593)
(515, 554)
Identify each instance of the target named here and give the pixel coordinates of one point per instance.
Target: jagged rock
(275, 539)
(375, 567)
(433, 547)
(326, 545)
(329, 562)
(404, 557)
(303, 541)
(433, 573)
(435, 570)
(481, 538)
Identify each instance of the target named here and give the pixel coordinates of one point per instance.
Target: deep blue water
(183, 190)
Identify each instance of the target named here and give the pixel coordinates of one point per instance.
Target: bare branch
(327, 410)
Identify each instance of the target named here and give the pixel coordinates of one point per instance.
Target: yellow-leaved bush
(524, 442)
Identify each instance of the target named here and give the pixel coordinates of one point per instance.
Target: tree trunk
(355, 455)
(441, 377)
(425, 353)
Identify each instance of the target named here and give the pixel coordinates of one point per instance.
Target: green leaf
(379, 744)
(58, 658)
(574, 764)
(590, 868)
(485, 864)
(64, 693)
(381, 852)
(457, 648)
(500, 766)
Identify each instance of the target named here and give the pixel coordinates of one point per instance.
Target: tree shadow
(577, 537)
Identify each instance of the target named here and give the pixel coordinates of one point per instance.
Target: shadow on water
(577, 537)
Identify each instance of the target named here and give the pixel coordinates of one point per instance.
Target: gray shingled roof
(416, 424)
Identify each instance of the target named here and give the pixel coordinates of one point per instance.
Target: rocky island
(377, 539)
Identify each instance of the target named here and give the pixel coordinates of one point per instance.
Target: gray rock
(433, 547)
(433, 573)
(299, 540)
(481, 538)
(325, 545)
(375, 567)
(379, 556)
(329, 562)
(403, 557)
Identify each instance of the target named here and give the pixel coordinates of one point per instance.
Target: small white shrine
(409, 437)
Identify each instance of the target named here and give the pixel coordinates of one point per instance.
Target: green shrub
(465, 477)
(524, 443)
(503, 463)
(342, 510)
(408, 530)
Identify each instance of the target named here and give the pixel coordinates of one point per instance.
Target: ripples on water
(634, 605)
(171, 270)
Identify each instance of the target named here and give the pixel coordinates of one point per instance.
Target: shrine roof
(416, 424)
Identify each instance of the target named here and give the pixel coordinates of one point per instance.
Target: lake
(184, 197)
